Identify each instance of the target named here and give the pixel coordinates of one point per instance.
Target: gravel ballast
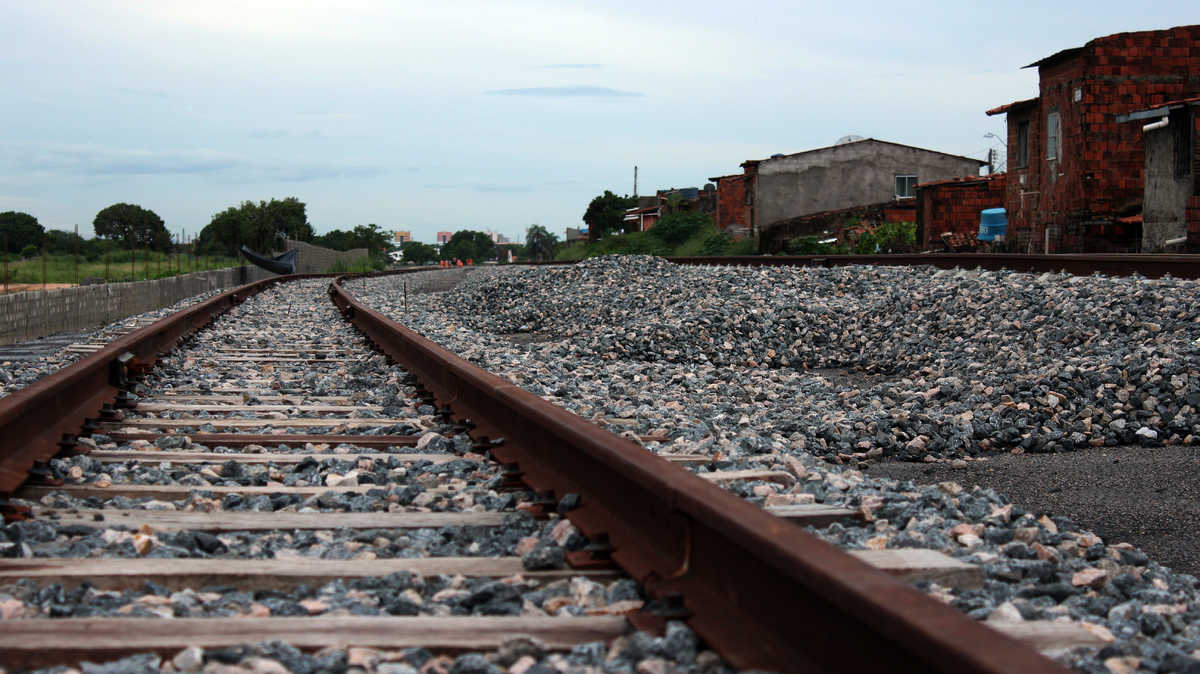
(825, 372)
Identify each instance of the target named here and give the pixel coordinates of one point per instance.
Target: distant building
(803, 194)
(443, 238)
(1076, 174)
(574, 234)
(641, 219)
(402, 236)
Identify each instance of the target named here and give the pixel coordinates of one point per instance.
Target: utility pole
(635, 182)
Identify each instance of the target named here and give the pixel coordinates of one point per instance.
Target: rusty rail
(763, 592)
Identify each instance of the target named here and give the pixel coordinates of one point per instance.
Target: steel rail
(763, 592)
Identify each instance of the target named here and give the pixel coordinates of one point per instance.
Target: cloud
(101, 161)
(268, 134)
(498, 188)
(137, 91)
(577, 91)
(574, 66)
(106, 162)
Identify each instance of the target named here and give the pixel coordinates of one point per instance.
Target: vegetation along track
(275, 468)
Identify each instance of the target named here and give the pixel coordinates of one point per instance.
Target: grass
(706, 241)
(61, 268)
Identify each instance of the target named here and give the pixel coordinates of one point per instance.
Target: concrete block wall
(29, 315)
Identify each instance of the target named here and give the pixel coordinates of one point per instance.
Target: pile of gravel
(820, 371)
(1040, 362)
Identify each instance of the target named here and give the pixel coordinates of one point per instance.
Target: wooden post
(6, 262)
(132, 256)
(76, 254)
(43, 262)
(146, 265)
(106, 244)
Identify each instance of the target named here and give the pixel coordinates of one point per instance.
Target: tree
(469, 245)
(415, 252)
(22, 230)
(131, 225)
(677, 227)
(263, 226)
(606, 214)
(540, 244)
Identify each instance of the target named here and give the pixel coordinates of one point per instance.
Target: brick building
(948, 210)
(1076, 174)
(733, 212)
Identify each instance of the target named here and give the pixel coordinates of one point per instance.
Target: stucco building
(784, 189)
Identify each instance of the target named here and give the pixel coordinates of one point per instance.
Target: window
(1053, 135)
(1021, 151)
(906, 186)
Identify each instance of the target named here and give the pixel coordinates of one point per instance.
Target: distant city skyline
(487, 116)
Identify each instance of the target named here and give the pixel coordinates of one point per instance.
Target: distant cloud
(497, 188)
(268, 134)
(102, 161)
(574, 66)
(137, 91)
(106, 162)
(580, 91)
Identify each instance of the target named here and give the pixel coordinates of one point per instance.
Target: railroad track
(341, 485)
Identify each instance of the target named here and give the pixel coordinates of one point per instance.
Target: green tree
(22, 230)
(675, 228)
(415, 252)
(469, 245)
(131, 225)
(540, 243)
(263, 226)
(62, 242)
(890, 237)
(606, 214)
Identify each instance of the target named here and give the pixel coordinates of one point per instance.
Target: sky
(494, 115)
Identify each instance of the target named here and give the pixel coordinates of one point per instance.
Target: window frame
(1022, 144)
(1053, 135)
(913, 185)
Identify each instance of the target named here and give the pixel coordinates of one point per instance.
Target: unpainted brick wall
(1101, 171)
(732, 212)
(955, 207)
(33, 314)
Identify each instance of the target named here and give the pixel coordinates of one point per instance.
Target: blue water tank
(992, 223)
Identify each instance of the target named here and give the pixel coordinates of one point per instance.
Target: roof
(1015, 105)
(965, 180)
(870, 140)
(1073, 51)
(1159, 110)
(1059, 56)
(731, 175)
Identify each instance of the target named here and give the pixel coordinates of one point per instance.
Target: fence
(30, 315)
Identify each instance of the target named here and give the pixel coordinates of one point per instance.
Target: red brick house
(734, 212)
(1075, 173)
(948, 210)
